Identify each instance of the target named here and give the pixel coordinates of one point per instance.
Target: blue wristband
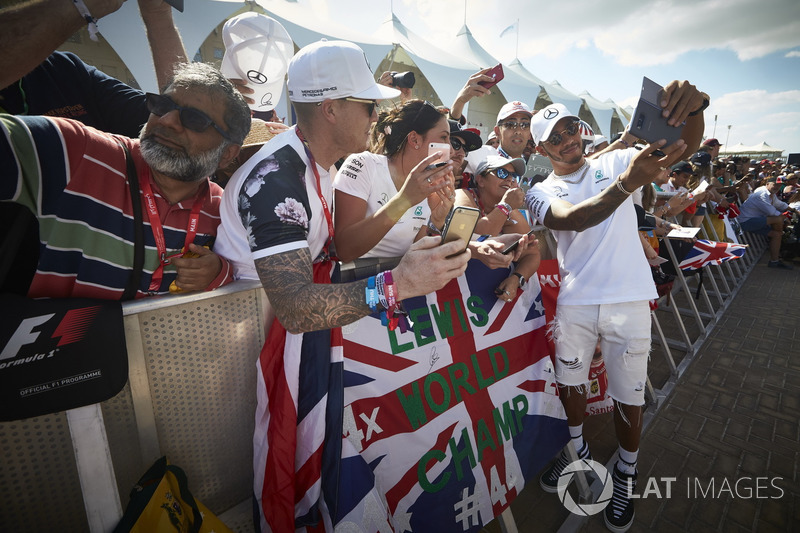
(371, 294)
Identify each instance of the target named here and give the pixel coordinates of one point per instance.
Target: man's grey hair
(202, 75)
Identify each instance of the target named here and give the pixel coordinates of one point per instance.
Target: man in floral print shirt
(276, 227)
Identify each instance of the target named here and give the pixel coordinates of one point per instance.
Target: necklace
(570, 178)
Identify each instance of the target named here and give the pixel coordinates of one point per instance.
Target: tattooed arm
(301, 305)
(565, 216)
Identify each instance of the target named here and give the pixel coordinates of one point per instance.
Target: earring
(416, 147)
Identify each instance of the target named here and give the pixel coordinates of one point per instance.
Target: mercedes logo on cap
(550, 113)
(256, 76)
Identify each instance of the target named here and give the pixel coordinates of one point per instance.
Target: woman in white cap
(388, 197)
(496, 193)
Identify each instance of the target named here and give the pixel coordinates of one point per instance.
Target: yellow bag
(161, 502)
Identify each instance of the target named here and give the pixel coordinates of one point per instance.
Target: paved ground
(728, 433)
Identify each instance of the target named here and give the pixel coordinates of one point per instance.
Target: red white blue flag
(445, 423)
(711, 253)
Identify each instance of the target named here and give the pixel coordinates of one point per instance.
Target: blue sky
(744, 53)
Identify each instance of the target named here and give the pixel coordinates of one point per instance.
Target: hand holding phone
(460, 224)
(513, 246)
(444, 148)
(647, 121)
(496, 73)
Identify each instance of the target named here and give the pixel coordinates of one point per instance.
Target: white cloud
(756, 116)
(793, 53)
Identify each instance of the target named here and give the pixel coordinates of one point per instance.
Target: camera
(403, 80)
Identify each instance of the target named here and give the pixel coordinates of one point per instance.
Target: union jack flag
(297, 438)
(711, 253)
(445, 423)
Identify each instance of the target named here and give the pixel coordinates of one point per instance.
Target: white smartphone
(439, 147)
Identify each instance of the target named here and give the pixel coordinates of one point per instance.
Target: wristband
(90, 20)
(371, 294)
(522, 280)
(623, 141)
(504, 208)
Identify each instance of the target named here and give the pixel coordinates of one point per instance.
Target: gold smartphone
(460, 224)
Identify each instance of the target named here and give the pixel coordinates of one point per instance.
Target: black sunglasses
(503, 174)
(370, 103)
(191, 118)
(512, 125)
(457, 144)
(556, 138)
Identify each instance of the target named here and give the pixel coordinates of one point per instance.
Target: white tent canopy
(602, 112)
(762, 149)
(445, 71)
(556, 93)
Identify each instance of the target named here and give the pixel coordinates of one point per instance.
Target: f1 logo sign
(25, 334)
(72, 328)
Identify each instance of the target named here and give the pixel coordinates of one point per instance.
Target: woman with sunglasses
(496, 193)
(388, 197)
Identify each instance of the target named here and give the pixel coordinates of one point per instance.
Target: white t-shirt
(605, 263)
(271, 205)
(366, 176)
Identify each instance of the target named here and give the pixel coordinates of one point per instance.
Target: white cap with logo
(513, 107)
(543, 122)
(257, 50)
(333, 69)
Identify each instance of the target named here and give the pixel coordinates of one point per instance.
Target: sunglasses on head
(425, 105)
(503, 174)
(556, 138)
(513, 124)
(191, 118)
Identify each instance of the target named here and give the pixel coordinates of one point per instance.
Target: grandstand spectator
(188, 135)
(492, 140)
(587, 205)
(513, 122)
(496, 193)
(462, 142)
(386, 198)
(711, 146)
(762, 214)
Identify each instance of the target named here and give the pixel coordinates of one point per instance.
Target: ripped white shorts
(623, 330)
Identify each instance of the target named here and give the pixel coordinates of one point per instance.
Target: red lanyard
(158, 230)
(322, 200)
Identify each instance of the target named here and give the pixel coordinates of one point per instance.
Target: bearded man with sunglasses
(606, 282)
(76, 181)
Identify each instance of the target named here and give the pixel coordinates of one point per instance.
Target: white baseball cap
(333, 69)
(543, 122)
(513, 107)
(257, 50)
